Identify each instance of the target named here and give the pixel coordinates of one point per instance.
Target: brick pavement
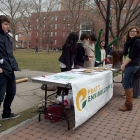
(107, 124)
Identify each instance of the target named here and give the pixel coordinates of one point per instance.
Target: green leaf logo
(84, 104)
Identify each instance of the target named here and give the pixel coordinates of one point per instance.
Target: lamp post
(107, 22)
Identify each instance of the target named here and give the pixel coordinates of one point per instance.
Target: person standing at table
(80, 56)
(8, 65)
(130, 65)
(67, 57)
(90, 51)
(100, 49)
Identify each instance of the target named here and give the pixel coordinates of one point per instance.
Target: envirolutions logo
(84, 96)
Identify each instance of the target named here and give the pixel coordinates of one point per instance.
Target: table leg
(45, 103)
(64, 117)
(63, 109)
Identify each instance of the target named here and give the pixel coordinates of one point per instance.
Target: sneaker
(12, 116)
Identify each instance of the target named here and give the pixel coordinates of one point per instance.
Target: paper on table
(77, 70)
(113, 69)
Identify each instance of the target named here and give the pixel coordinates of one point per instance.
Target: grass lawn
(41, 61)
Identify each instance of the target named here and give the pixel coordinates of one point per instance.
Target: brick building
(56, 28)
(58, 24)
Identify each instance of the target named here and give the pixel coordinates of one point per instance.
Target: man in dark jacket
(8, 65)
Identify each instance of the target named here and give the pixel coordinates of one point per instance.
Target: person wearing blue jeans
(127, 80)
(8, 65)
(131, 64)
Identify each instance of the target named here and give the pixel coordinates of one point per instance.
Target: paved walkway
(107, 124)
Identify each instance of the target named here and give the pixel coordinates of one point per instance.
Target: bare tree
(25, 22)
(123, 14)
(41, 10)
(11, 8)
(78, 9)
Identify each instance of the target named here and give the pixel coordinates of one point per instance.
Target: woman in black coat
(80, 56)
(8, 65)
(67, 57)
(130, 64)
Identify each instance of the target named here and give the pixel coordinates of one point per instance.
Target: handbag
(55, 109)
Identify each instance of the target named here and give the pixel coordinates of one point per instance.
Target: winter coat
(67, 56)
(80, 55)
(133, 45)
(89, 51)
(6, 53)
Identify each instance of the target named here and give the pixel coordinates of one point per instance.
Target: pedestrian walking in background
(8, 65)
(36, 49)
(131, 64)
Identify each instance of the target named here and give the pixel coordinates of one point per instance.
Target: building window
(111, 6)
(21, 28)
(68, 26)
(44, 34)
(51, 26)
(64, 26)
(124, 16)
(124, 7)
(55, 33)
(47, 34)
(131, 6)
(51, 33)
(68, 17)
(56, 18)
(55, 26)
(64, 34)
(36, 40)
(52, 18)
(63, 41)
(36, 33)
(21, 35)
(55, 41)
(64, 18)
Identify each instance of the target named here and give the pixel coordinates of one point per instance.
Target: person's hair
(130, 28)
(4, 18)
(84, 36)
(101, 42)
(72, 41)
(93, 37)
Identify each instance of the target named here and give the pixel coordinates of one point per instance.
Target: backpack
(55, 109)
